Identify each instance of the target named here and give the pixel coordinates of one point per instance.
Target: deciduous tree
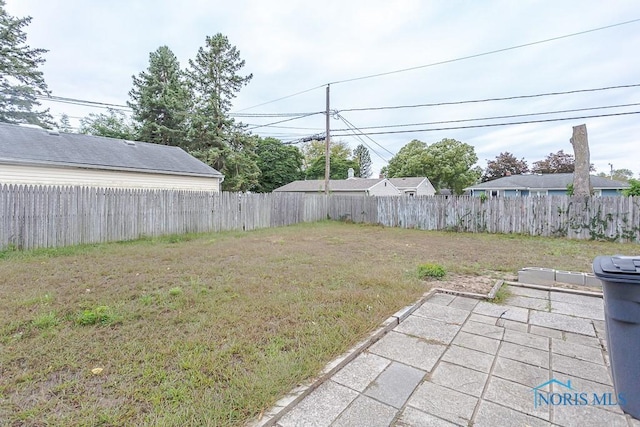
(279, 164)
(411, 160)
(559, 162)
(504, 164)
(20, 79)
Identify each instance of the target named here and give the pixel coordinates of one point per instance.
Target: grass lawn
(213, 329)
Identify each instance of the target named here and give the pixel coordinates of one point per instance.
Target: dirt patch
(466, 283)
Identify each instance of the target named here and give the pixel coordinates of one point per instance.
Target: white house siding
(384, 188)
(425, 189)
(46, 175)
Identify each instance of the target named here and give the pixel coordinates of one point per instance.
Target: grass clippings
(212, 329)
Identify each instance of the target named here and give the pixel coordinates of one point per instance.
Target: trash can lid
(618, 268)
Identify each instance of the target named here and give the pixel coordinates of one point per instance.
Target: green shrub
(431, 270)
(102, 315)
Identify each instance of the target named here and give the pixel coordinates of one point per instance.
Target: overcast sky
(292, 46)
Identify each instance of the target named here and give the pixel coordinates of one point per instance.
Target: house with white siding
(352, 186)
(36, 156)
(414, 186)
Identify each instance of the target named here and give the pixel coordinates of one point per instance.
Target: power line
(506, 98)
(355, 130)
(286, 120)
(352, 126)
(484, 53)
(494, 124)
(83, 102)
(281, 98)
(512, 116)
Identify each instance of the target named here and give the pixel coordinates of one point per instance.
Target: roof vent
(54, 132)
(131, 143)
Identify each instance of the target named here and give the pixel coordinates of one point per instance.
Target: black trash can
(620, 276)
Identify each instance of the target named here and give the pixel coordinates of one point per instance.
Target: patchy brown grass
(213, 329)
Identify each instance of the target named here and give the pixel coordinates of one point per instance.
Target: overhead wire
(402, 70)
(506, 98)
(511, 116)
(355, 133)
(496, 124)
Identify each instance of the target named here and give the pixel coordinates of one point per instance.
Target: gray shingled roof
(25, 145)
(407, 182)
(311, 185)
(554, 181)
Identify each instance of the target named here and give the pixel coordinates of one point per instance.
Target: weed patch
(431, 271)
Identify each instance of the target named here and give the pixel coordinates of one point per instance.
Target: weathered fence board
(38, 216)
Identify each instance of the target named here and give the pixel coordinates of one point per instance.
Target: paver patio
(457, 360)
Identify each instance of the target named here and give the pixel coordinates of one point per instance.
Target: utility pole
(327, 164)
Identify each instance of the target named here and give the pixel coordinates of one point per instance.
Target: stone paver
(581, 369)
(361, 371)
(489, 331)
(444, 403)
(446, 314)
(321, 407)
(526, 339)
(518, 314)
(431, 330)
(464, 303)
(459, 361)
(577, 351)
(470, 358)
(408, 350)
(493, 415)
(520, 372)
(366, 412)
(571, 416)
(528, 292)
(515, 396)
(395, 384)
(577, 310)
(562, 322)
(526, 302)
(476, 342)
(411, 417)
(459, 378)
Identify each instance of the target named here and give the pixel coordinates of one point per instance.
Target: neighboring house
(415, 186)
(353, 186)
(37, 156)
(543, 185)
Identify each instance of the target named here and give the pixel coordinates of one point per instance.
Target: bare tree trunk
(581, 177)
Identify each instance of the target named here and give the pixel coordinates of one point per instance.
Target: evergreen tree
(114, 124)
(20, 79)
(64, 125)
(213, 77)
(363, 158)
(160, 100)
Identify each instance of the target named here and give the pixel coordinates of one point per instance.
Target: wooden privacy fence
(613, 218)
(37, 216)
